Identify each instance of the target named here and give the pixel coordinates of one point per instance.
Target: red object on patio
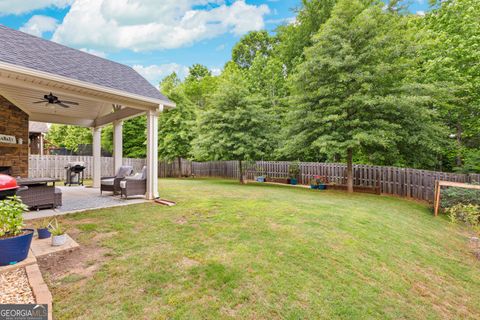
(8, 186)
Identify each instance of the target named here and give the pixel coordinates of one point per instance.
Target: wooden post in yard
(437, 192)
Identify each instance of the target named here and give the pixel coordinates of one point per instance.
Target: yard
(258, 251)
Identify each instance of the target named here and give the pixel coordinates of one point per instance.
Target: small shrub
(453, 196)
(56, 229)
(11, 216)
(294, 170)
(467, 213)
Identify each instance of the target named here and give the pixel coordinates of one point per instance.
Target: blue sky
(155, 37)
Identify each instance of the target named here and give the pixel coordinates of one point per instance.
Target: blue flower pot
(15, 249)
(322, 187)
(293, 181)
(313, 186)
(43, 233)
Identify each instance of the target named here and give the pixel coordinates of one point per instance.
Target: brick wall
(14, 122)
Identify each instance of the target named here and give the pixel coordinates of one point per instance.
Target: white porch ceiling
(95, 105)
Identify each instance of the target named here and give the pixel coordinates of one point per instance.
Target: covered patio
(89, 91)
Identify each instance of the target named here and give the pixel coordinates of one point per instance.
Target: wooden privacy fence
(54, 166)
(411, 183)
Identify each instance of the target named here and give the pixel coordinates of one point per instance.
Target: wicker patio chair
(135, 185)
(112, 184)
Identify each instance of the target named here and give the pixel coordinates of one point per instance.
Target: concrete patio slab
(42, 247)
(80, 198)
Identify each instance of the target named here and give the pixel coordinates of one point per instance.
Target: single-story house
(44, 81)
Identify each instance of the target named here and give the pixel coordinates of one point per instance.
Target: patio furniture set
(125, 182)
(41, 193)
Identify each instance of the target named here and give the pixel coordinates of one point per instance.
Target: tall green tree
(353, 94)
(69, 137)
(253, 44)
(176, 128)
(234, 126)
(453, 59)
(293, 38)
(199, 85)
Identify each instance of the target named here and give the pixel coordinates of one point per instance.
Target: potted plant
(319, 182)
(15, 241)
(42, 229)
(59, 237)
(294, 171)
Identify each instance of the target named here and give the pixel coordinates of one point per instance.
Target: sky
(155, 37)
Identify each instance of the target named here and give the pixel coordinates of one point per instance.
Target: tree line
(356, 81)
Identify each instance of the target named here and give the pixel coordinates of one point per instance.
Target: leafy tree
(234, 127)
(169, 83)
(135, 137)
(176, 128)
(250, 46)
(199, 84)
(68, 137)
(295, 37)
(453, 59)
(353, 93)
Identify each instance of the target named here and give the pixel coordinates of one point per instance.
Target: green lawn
(262, 252)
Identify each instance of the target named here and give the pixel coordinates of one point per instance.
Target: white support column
(41, 144)
(97, 154)
(152, 155)
(117, 145)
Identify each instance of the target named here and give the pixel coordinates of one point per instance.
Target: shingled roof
(32, 52)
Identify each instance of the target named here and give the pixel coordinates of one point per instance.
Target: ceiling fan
(51, 99)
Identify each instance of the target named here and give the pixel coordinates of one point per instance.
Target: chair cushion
(124, 171)
(108, 182)
(123, 184)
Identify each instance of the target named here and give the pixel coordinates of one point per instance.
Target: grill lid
(7, 183)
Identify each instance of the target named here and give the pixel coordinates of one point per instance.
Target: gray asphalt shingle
(28, 51)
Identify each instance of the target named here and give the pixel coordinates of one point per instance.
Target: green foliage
(56, 229)
(294, 169)
(253, 44)
(199, 85)
(466, 213)
(453, 196)
(68, 136)
(452, 58)
(43, 224)
(234, 127)
(353, 92)
(11, 216)
(135, 137)
(176, 128)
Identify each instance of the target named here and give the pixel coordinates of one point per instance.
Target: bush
(11, 216)
(467, 213)
(453, 196)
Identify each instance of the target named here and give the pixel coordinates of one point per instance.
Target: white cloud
(97, 53)
(24, 6)
(420, 13)
(37, 25)
(216, 71)
(152, 25)
(155, 73)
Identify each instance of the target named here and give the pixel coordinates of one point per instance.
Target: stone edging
(39, 288)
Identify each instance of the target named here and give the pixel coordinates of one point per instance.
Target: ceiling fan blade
(70, 102)
(62, 105)
(43, 101)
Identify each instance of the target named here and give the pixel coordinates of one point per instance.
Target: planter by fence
(410, 183)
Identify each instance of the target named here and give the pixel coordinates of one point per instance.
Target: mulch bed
(15, 287)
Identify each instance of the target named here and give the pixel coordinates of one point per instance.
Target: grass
(262, 251)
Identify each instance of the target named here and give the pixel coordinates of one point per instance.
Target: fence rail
(411, 183)
(404, 182)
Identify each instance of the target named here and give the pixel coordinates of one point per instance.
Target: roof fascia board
(83, 84)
